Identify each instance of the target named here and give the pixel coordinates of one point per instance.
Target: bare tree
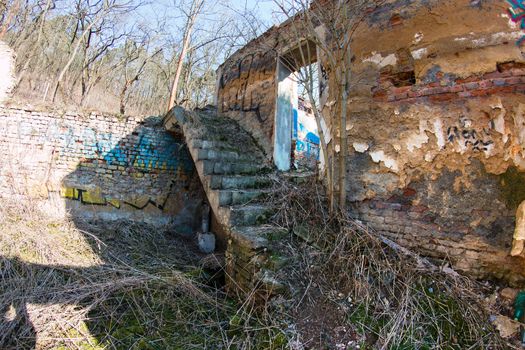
(91, 17)
(135, 60)
(73, 52)
(191, 17)
(330, 26)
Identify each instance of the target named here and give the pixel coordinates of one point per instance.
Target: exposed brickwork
(414, 227)
(436, 106)
(494, 83)
(436, 118)
(118, 168)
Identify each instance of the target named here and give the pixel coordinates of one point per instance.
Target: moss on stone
(512, 184)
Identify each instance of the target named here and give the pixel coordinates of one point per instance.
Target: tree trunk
(195, 9)
(180, 62)
(343, 142)
(72, 57)
(123, 98)
(324, 147)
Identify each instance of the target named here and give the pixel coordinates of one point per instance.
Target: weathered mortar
(247, 85)
(436, 126)
(101, 167)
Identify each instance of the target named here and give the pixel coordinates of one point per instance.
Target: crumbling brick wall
(436, 131)
(99, 166)
(436, 126)
(247, 84)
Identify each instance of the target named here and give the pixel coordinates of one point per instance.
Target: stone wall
(247, 83)
(247, 90)
(99, 167)
(436, 125)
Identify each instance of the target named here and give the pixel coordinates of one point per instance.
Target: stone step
(256, 237)
(236, 139)
(210, 167)
(223, 155)
(227, 182)
(245, 215)
(212, 144)
(236, 197)
(241, 144)
(214, 119)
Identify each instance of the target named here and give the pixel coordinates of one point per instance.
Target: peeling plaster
(499, 120)
(429, 157)
(360, 147)
(418, 37)
(380, 156)
(512, 24)
(438, 131)
(519, 123)
(417, 140)
(378, 59)
(419, 53)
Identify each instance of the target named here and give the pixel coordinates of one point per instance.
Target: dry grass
(388, 296)
(69, 285)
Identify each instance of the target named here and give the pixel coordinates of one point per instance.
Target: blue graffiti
(151, 152)
(146, 149)
(306, 139)
(517, 14)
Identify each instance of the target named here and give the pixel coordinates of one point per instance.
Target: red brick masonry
(507, 79)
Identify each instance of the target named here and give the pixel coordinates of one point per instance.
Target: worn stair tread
(227, 155)
(248, 214)
(241, 196)
(234, 182)
(244, 147)
(247, 207)
(219, 145)
(211, 167)
(219, 133)
(254, 237)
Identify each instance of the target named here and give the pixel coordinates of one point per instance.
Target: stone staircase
(235, 175)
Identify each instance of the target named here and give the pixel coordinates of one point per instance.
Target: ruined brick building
(436, 116)
(435, 158)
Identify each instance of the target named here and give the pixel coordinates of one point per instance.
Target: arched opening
(296, 139)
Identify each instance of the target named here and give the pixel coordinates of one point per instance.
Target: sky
(266, 8)
(162, 14)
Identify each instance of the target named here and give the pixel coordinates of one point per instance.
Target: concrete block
(206, 242)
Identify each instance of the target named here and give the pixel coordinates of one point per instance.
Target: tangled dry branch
(396, 298)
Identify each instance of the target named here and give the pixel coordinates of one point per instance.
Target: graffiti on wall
(251, 65)
(517, 14)
(139, 202)
(468, 137)
(147, 155)
(145, 149)
(99, 167)
(305, 135)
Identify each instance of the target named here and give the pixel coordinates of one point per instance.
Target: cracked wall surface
(436, 129)
(99, 167)
(247, 83)
(436, 126)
